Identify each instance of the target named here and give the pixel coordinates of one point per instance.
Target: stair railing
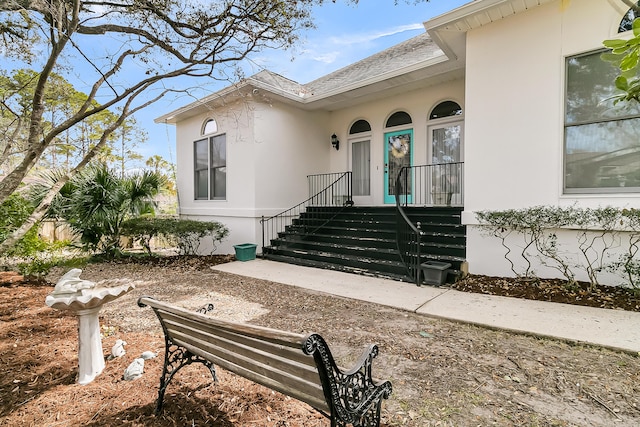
(331, 189)
(425, 185)
(439, 184)
(408, 235)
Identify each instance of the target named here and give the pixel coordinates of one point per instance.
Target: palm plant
(97, 201)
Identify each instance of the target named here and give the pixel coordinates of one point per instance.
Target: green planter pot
(245, 251)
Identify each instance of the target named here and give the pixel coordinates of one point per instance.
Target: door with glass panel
(361, 170)
(398, 153)
(446, 151)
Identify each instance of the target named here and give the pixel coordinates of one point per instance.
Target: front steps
(362, 240)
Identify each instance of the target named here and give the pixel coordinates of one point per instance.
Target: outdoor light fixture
(335, 142)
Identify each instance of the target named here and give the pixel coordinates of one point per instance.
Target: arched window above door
(360, 126)
(209, 126)
(399, 118)
(626, 23)
(445, 109)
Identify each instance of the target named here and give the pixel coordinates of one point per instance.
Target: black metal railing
(426, 185)
(331, 189)
(431, 185)
(408, 235)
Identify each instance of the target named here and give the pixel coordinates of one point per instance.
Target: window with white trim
(601, 149)
(361, 157)
(210, 168)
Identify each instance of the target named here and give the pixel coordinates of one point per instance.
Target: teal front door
(398, 153)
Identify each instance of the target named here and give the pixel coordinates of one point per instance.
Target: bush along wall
(187, 235)
(607, 240)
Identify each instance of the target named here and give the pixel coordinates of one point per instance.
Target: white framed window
(209, 126)
(601, 150)
(210, 168)
(360, 139)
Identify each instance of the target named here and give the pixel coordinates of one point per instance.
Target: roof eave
(449, 29)
(222, 96)
(379, 78)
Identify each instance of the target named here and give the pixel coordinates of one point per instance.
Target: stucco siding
(515, 83)
(418, 104)
(271, 148)
(514, 122)
(289, 144)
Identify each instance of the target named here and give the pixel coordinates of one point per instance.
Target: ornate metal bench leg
(175, 358)
(353, 395)
(371, 418)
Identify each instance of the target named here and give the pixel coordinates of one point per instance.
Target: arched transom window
(445, 109)
(360, 126)
(209, 126)
(398, 119)
(627, 20)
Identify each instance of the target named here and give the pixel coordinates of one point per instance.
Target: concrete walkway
(615, 329)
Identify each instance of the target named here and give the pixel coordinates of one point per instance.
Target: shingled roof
(403, 55)
(413, 51)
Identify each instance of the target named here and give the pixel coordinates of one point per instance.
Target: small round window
(210, 126)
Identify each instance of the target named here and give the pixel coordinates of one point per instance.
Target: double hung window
(210, 168)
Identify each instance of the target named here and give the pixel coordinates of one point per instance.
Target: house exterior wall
(417, 103)
(270, 150)
(515, 77)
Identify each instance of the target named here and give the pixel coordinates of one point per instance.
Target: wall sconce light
(335, 142)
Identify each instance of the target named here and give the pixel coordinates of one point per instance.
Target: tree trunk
(14, 178)
(36, 216)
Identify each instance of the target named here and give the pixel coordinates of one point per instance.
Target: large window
(602, 140)
(210, 168)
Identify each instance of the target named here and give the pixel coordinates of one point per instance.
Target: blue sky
(344, 34)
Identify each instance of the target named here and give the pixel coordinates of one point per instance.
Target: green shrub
(187, 235)
(97, 200)
(39, 265)
(13, 212)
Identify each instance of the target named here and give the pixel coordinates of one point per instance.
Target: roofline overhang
(449, 29)
(249, 84)
(222, 96)
(379, 78)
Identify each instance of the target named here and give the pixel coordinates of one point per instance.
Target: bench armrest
(353, 395)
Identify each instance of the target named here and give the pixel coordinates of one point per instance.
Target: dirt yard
(443, 373)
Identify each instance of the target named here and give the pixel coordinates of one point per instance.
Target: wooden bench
(300, 366)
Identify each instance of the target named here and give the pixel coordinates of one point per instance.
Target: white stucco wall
(271, 148)
(417, 103)
(514, 115)
(289, 144)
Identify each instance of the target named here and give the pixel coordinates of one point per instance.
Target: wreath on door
(399, 146)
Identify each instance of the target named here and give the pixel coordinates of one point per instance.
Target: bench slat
(289, 339)
(273, 356)
(282, 382)
(289, 352)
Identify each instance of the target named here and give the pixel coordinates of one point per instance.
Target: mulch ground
(444, 373)
(554, 290)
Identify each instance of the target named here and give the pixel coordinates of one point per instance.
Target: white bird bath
(85, 299)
